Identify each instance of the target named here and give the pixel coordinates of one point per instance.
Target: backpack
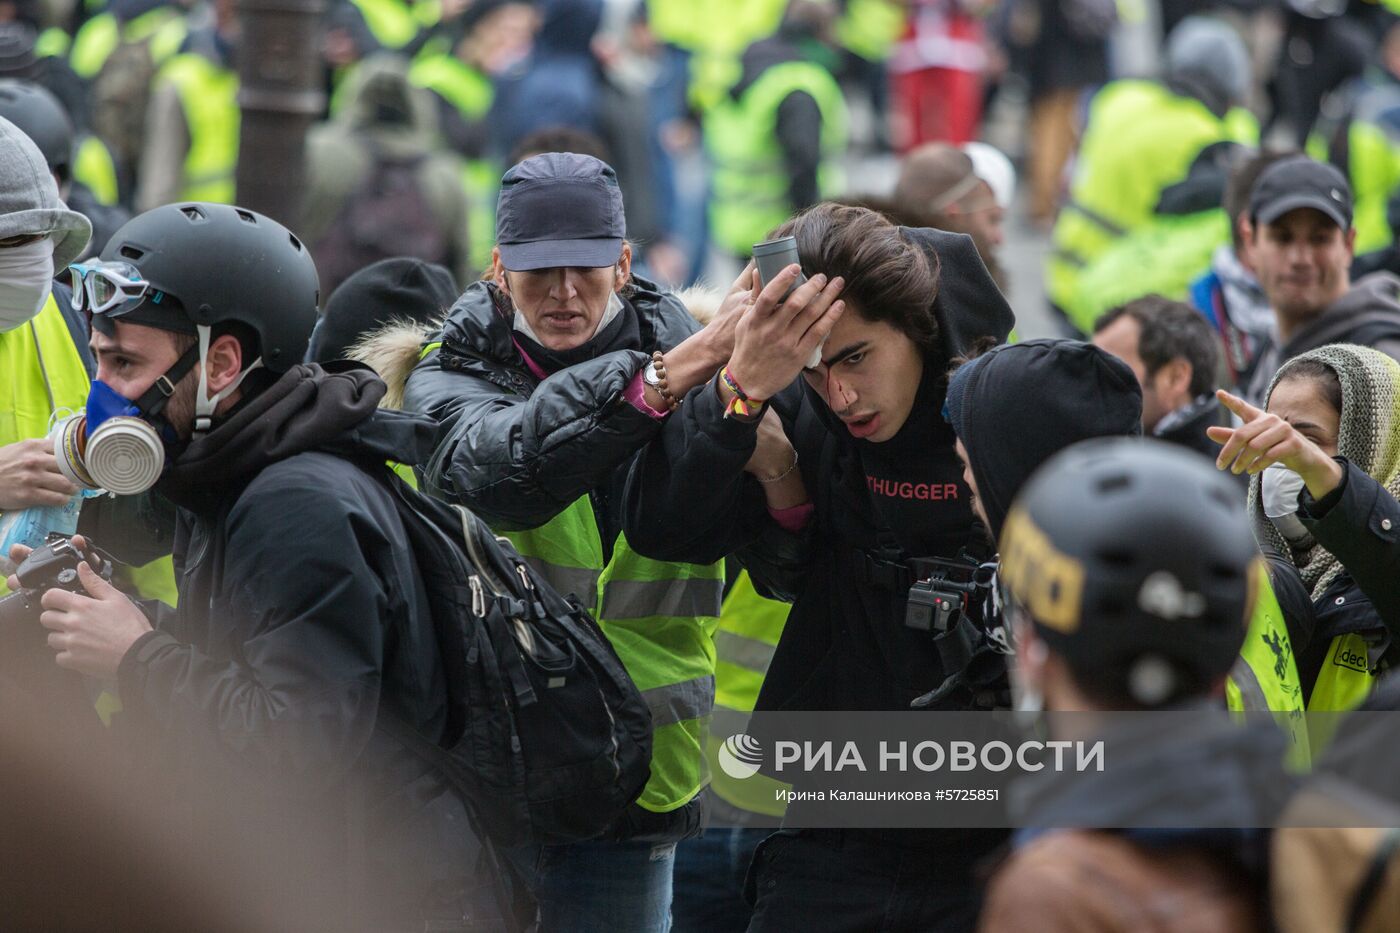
(547, 739)
(387, 215)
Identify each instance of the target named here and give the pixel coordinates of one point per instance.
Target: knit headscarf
(1369, 437)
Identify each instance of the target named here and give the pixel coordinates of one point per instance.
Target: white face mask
(26, 278)
(1279, 490)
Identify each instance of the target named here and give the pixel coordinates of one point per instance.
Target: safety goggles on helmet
(101, 287)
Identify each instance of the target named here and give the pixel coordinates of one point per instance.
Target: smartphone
(773, 256)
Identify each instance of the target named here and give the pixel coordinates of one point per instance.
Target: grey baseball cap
(1301, 182)
(559, 209)
(29, 201)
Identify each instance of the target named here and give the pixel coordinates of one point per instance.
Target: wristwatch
(651, 378)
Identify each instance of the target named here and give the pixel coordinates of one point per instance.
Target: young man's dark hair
(862, 431)
(1171, 330)
(888, 276)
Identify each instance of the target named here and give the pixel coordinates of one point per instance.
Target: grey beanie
(29, 201)
(1210, 51)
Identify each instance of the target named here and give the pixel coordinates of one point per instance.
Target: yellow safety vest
(164, 27)
(209, 98)
(472, 94)
(660, 618)
(749, 183)
(392, 24)
(1265, 677)
(1115, 188)
(870, 28)
(93, 166)
(749, 628)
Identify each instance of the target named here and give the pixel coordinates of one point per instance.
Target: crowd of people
(328, 543)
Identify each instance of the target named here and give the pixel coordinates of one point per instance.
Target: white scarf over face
(26, 279)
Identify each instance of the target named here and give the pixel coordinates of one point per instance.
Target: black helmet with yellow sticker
(1133, 559)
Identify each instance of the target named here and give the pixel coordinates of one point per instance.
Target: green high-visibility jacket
(1265, 677)
(209, 98)
(472, 94)
(1140, 138)
(392, 23)
(165, 28)
(749, 628)
(749, 183)
(870, 28)
(1162, 257)
(660, 618)
(93, 166)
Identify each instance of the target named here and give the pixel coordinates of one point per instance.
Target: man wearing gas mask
(302, 614)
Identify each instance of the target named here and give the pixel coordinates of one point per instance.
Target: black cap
(1301, 182)
(559, 209)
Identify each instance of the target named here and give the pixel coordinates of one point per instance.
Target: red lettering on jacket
(921, 492)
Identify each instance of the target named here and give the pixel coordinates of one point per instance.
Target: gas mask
(119, 444)
(123, 445)
(26, 278)
(1279, 489)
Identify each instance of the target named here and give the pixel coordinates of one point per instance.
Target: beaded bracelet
(658, 363)
(740, 405)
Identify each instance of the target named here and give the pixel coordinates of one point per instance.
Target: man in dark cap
(1302, 242)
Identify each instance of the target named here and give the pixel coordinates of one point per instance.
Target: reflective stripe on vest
(749, 628)
(1265, 676)
(93, 166)
(209, 99)
(1116, 188)
(660, 618)
(749, 183)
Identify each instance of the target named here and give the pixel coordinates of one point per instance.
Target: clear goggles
(100, 287)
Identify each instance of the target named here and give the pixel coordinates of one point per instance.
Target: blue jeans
(710, 875)
(600, 887)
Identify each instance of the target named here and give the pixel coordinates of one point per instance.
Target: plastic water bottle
(32, 526)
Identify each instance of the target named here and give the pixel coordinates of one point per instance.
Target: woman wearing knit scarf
(1325, 465)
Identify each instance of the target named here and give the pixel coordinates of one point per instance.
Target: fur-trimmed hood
(395, 349)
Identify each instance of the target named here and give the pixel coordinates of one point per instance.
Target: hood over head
(1019, 404)
(1207, 58)
(567, 26)
(398, 289)
(378, 95)
(1368, 436)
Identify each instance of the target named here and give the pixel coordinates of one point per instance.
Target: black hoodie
(1020, 404)
(301, 624)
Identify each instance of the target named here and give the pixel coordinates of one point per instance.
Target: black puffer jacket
(517, 450)
(301, 627)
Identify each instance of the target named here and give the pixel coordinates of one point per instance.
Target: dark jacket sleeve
(1359, 522)
(519, 460)
(800, 137)
(689, 499)
(299, 695)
